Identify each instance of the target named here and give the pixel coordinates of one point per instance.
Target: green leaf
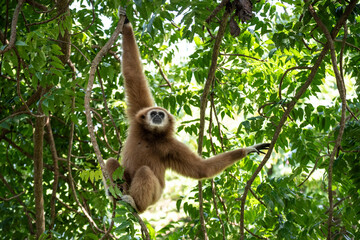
(20, 43)
(187, 110)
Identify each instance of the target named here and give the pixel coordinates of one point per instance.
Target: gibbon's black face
(156, 119)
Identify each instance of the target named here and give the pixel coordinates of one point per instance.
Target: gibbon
(151, 147)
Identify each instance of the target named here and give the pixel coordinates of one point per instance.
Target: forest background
(233, 73)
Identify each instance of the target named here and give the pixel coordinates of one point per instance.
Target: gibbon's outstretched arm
(187, 163)
(137, 89)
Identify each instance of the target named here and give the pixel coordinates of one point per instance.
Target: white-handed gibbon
(151, 147)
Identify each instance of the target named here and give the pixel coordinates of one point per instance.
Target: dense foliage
(283, 79)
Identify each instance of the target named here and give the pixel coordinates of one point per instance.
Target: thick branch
(87, 98)
(56, 172)
(38, 173)
(37, 5)
(291, 105)
(203, 104)
(13, 27)
(342, 91)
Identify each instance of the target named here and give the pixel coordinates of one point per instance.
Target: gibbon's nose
(157, 119)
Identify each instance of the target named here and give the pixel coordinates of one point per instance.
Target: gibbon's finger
(262, 146)
(122, 11)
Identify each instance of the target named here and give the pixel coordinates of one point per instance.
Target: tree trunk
(38, 173)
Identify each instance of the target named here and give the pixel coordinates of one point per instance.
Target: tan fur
(149, 151)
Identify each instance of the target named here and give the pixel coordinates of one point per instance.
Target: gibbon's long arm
(188, 163)
(137, 89)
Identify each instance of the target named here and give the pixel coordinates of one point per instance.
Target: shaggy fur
(151, 148)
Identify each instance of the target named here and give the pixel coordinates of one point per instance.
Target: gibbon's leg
(110, 166)
(145, 188)
(137, 90)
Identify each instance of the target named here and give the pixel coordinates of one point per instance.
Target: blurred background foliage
(258, 74)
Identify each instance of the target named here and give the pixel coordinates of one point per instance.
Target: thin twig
(349, 44)
(92, 21)
(288, 70)
(13, 197)
(213, 187)
(71, 180)
(242, 55)
(18, 199)
(313, 170)
(112, 220)
(56, 173)
(103, 126)
(162, 73)
(46, 21)
(60, 41)
(109, 113)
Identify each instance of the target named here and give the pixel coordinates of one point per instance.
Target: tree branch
(56, 173)
(291, 105)
(27, 212)
(71, 180)
(87, 98)
(342, 92)
(162, 73)
(203, 104)
(109, 113)
(288, 70)
(13, 27)
(38, 172)
(242, 55)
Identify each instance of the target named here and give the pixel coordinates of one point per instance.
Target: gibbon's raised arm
(137, 89)
(187, 163)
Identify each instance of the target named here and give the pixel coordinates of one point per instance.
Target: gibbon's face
(155, 119)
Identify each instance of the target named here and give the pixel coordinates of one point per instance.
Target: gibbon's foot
(257, 148)
(122, 12)
(129, 199)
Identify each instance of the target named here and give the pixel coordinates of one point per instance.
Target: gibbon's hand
(121, 11)
(257, 148)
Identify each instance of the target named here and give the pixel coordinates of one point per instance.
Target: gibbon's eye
(143, 116)
(153, 114)
(162, 115)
